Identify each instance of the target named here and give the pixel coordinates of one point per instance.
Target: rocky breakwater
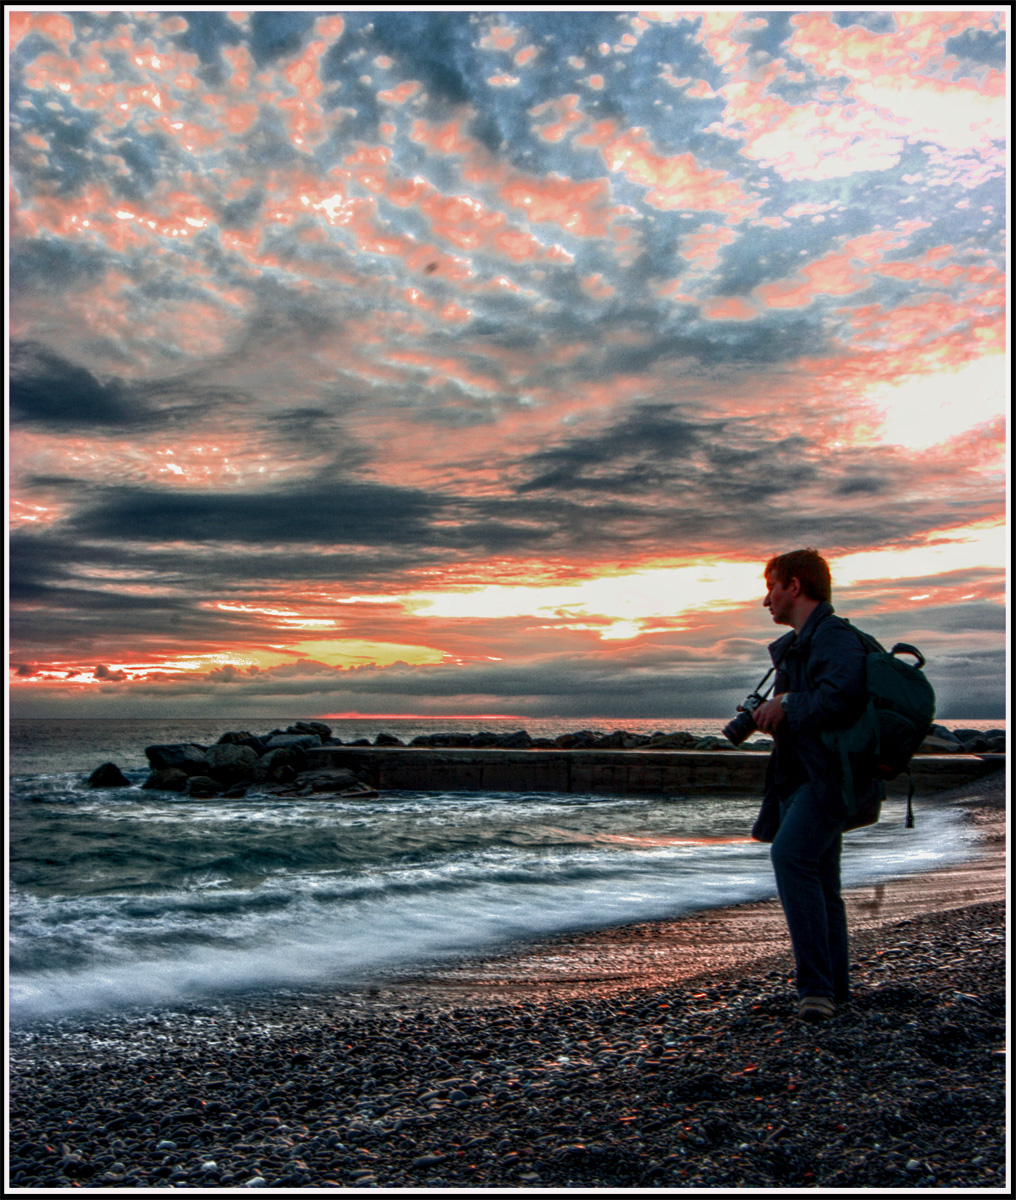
(963, 741)
(304, 759)
(274, 763)
(582, 739)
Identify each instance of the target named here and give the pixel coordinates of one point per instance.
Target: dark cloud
(206, 34)
(968, 616)
(103, 672)
(873, 21)
(278, 34)
(242, 214)
(655, 451)
(979, 46)
(45, 389)
(861, 485)
(432, 47)
(50, 265)
(50, 391)
(334, 512)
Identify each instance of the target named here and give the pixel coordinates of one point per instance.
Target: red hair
(808, 567)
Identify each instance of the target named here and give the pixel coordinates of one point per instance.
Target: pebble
(691, 1086)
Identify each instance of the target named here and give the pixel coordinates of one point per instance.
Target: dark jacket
(824, 669)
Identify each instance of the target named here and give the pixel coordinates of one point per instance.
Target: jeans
(806, 859)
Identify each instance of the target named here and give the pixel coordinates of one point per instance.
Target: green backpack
(897, 719)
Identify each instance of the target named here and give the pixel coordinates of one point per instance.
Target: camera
(744, 725)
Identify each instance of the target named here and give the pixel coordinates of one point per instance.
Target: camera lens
(742, 726)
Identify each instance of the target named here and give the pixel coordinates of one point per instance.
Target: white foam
(345, 927)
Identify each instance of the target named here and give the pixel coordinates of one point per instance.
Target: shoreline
(723, 940)
(657, 1054)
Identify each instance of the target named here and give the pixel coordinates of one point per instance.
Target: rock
(188, 758)
(235, 738)
(680, 740)
(303, 740)
(315, 728)
(519, 740)
(974, 741)
(714, 743)
(203, 785)
(944, 734)
(585, 739)
(107, 776)
(621, 739)
(940, 745)
(167, 779)
(231, 763)
(339, 780)
(290, 758)
(452, 741)
(388, 739)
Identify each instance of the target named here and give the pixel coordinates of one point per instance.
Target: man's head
(795, 584)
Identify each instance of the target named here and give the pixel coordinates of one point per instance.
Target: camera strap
(775, 667)
(758, 686)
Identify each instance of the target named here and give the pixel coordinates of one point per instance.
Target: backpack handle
(906, 648)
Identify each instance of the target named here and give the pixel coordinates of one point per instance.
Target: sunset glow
(475, 362)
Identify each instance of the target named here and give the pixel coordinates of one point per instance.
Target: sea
(124, 899)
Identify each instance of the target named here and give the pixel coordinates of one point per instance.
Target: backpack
(897, 719)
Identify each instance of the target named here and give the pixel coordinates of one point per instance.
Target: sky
(475, 362)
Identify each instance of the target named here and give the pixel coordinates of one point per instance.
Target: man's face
(780, 600)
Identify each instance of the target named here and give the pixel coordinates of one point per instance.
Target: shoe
(816, 1008)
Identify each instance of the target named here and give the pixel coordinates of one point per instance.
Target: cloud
(341, 511)
(104, 673)
(46, 389)
(311, 312)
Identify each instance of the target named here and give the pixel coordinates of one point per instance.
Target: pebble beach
(606, 1060)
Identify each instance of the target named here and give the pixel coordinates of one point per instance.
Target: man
(820, 687)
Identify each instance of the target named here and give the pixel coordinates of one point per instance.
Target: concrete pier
(604, 772)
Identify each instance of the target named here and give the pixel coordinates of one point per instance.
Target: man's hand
(768, 715)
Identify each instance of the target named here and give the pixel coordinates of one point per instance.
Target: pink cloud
(594, 286)
(848, 269)
(566, 114)
(674, 182)
(579, 207)
(704, 245)
(399, 94)
(501, 37)
(728, 308)
(51, 25)
(900, 88)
